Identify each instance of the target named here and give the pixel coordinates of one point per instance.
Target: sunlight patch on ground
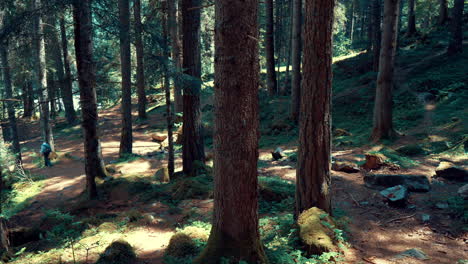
(138, 166)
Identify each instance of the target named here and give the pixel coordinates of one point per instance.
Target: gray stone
(396, 196)
(413, 253)
(425, 218)
(414, 183)
(450, 171)
(463, 191)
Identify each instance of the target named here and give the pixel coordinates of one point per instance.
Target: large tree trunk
(270, 49)
(94, 164)
(456, 41)
(411, 18)
(28, 99)
(140, 63)
(443, 12)
(235, 232)
(126, 140)
(383, 124)
(51, 87)
(41, 73)
(296, 60)
(167, 89)
(313, 180)
(193, 147)
(176, 53)
(67, 88)
(10, 104)
(351, 31)
(376, 34)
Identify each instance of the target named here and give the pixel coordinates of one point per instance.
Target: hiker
(46, 150)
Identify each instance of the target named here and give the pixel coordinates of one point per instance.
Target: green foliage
(276, 195)
(459, 207)
(397, 158)
(65, 228)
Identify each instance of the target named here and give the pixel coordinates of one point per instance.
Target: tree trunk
(376, 34)
(28, 99)
(296, 60)
(170, 161)
(456, 41)
(351, 33)
(41, 72)
(94, 164)
(270, 49)
(411, 18)
(140, 63)
(67, 88)
(193, 147)
(126, 139)
(313, 178)
(383, 124)
(52, 93)
(443, 12)
(287, 86)
(10, 104)
(176, 53)
(235, 232)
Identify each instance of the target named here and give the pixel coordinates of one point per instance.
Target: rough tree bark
(176, 53)
(235, 232)
(383, 124)
(456, 40)
(28, 99)
(443, 12)
(376, 34)
(67, 88)
(270, 49)
(41, 74)
(411, 19)
(313, 180)
(193, 146)
(296, 60)
(94, 164)
(52, 89)
(140, 60)
(126, 139)
(9, 95)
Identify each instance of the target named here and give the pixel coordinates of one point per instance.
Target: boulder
(413, 253)
(316, 231)
(277, 154)
(158, 137)
(181, 245)
(162, 175)
(339, 132)
(411, 150)
(414, 183)
(119, 252)
(396, 196)
(463, 191)
(345, 166)
(374, 161)
(450, 171)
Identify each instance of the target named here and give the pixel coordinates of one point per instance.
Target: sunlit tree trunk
(270, 49)
(94, 164)
(126, 138)
(235, 232)
(140, 60)
(192, 147)
(41, 73)
(383, 124)
(296, 59)
(456, 40)
(313, 180)
(67, 91)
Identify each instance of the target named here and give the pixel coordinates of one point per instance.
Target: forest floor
(135, 207)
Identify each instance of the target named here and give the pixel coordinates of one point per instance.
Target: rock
(374, 161)
(162, 175)
(157, 137)
(181, 245)
(396, 196)
(339, 132)
(425, 218)
(118, 252)
(413, 253)
(277, 154)
(414, 183)
(441, 205)
(345, 166)
(316, 236)
(449, 171)
(463, 191)
(411, 150)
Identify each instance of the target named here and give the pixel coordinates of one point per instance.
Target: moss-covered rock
(119, 252)
(411, 150)
(374, 161)
(181, 245)
(108, 227)
(316, 231)
(192, 187)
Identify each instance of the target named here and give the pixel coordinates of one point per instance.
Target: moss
(315, 231)
(119, 252)
(108, 227)
(192, 187)
(411, 150)
(181, 245)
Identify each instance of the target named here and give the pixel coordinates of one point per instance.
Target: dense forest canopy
(227, 131)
